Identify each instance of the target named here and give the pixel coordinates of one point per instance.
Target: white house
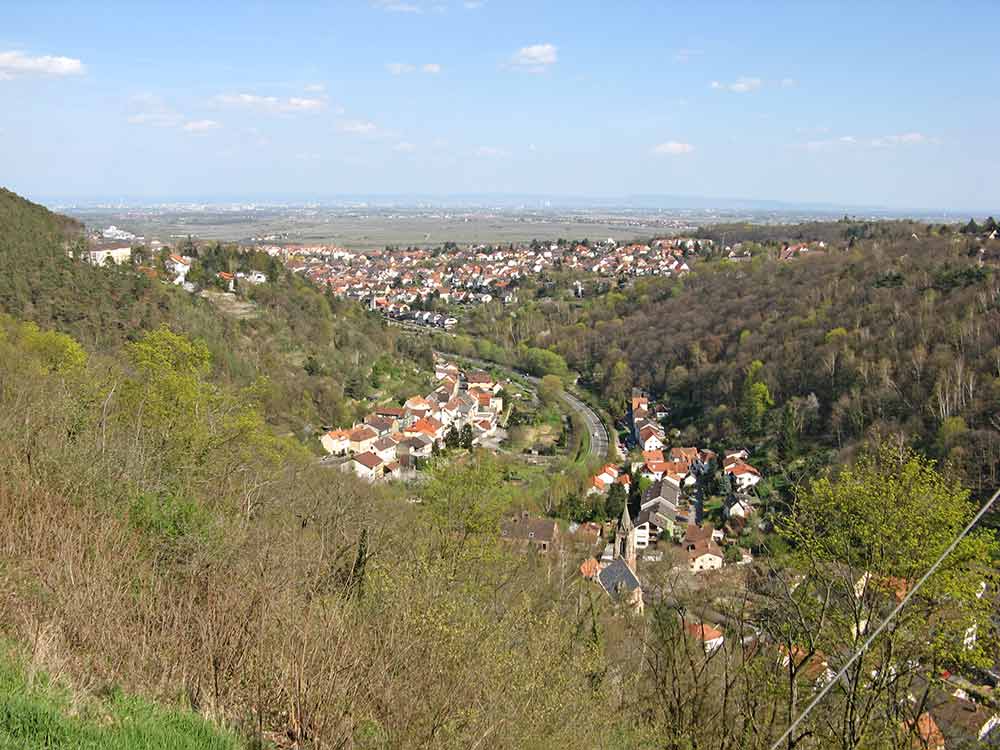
(336, 441)
(741, 508)
(98, 256)
(744, 476)
(254, 277)
(385, 448)
(179, 266)
(367, 466)
(703, 554)
(650, 440)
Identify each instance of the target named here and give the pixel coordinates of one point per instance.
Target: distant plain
(371, 230)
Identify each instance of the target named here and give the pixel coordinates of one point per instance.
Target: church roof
(618, 579)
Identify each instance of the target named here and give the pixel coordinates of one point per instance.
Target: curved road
(596, 427)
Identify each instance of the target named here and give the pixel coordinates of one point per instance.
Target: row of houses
(475, 274)
(390, 440)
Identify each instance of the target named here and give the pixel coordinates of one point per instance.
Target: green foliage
(53, 352)
(888, 518)
(175, 526)
(466, 437)
(541, 362)
(469, 499)
(550, 389)
(36, 713)
(615, 502)
(756, 399)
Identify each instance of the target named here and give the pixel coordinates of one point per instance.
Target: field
(359, 230)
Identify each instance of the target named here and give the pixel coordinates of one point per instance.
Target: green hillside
(38, 713)
(314, 360)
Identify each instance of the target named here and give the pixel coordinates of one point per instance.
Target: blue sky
(874, 103)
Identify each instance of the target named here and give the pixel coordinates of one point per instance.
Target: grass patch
(37, 713)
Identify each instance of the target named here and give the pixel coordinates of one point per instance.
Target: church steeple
(625, 539)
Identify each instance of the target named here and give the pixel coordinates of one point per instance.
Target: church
(619, 577)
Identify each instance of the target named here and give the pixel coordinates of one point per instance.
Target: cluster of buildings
(609, 475)
(119, 235)
(799, 249)
(647, 429)
(391, 441)
(396, 281)
(671, 507)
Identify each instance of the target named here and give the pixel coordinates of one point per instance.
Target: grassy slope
(37, 713)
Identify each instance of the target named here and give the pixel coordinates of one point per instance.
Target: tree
(465, 437)
(789, 430)
(756, 399)
(451, 439)
(550, 389)
(615, 502)
(861, 541)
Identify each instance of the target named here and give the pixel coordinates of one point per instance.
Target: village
(464, 409)
(399, 283)
(662, 493)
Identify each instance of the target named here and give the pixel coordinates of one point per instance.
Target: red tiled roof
(369, 460)
(703, 631)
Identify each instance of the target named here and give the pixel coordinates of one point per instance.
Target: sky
(846, 103)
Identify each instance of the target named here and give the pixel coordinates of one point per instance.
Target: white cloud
(404, 147)
(398, 69)
(357, 127)
(741, 85)
(474, 4)
(315, 88)
(14, 64)
(201, 126)
(886, 141)
(672, 148)
(271, 103)
(535, 58)
(787, 83)
(395, 6)
(903, 139)
(490, 152)
(431, 68)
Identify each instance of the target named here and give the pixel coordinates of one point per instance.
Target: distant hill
(19, 216)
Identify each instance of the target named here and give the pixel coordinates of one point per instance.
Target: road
(598, 430)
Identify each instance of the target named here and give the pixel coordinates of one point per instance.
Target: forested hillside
(888, 331)
(312, 357)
